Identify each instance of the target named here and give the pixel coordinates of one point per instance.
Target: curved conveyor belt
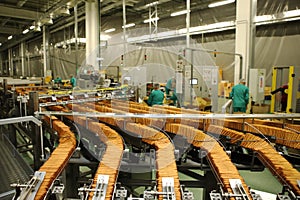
(224, 168)
(277, 164)
(165, 158)
(281, 168)
(110, 162)
(59, 157)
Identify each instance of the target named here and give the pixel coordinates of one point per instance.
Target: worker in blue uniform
(156, 97)
(240, 96)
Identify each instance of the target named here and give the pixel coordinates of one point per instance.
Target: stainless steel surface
(175, 116)
(20, 119)
(226, 105)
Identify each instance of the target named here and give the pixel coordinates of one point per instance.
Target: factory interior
(134, 100)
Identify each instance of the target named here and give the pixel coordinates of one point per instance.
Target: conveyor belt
(277, 164)
(59, 157)
(282, 136)
(219, 160)
(221, 163)
(110, 162)
(166, 165)
(13, 167)
(280, 167)
(287, 174)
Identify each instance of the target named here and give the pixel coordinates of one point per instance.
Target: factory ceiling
(19, 15)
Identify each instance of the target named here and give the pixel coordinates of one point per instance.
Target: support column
(92, 33)
(10, 63)
(22, 53)
(46, 50)
(70, 180)
(36, 135)
(244, 39)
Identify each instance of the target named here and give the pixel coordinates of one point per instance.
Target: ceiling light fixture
(47, 21)
(182, 12)
(151, 20)
(31, 27)
(109, 30)
(0, 44)
(220, 3)
(10, 37)
(64, 11)
(129, 25)
(25, 31)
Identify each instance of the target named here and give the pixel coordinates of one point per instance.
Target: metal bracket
(168, 188)
(121, 193)
(256, 196)
(283, 197)
(215, 196)
(186, 195)
(101, 187)
(29, 190)
(238, 189)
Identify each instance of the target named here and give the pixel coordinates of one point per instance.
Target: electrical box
(257, 85)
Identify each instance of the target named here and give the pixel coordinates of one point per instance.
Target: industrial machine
(88, 78)
(257, 85)
(133, 154)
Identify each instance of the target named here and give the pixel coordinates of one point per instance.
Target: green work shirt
(73, 81)
(240, 95)
(156, 98)
(58, 80)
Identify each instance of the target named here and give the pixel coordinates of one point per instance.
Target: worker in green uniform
(171, 90)
(72, 80)
(58, 80)
(156, 97)
(240, 96)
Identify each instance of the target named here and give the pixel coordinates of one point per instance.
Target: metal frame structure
(292, 90)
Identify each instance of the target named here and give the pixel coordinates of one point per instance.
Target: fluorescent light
(129, 25)
(10, 37)
(182, 12)
(291, 13)
(220, 3)
(151, 20)
(109, 30)
(31, 27)
(25, 31)
(0, 44)
(151, 4)
(104, 37)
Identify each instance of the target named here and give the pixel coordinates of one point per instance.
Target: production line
(158, 134)
(287, 174)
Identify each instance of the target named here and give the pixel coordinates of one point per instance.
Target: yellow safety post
(290, 89)
(274, 76)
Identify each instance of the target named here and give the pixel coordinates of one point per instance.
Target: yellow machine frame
(290, 88)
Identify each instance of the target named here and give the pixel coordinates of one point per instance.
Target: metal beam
(20, 119)
(173, 116)
(18, 13)
(10, 31)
